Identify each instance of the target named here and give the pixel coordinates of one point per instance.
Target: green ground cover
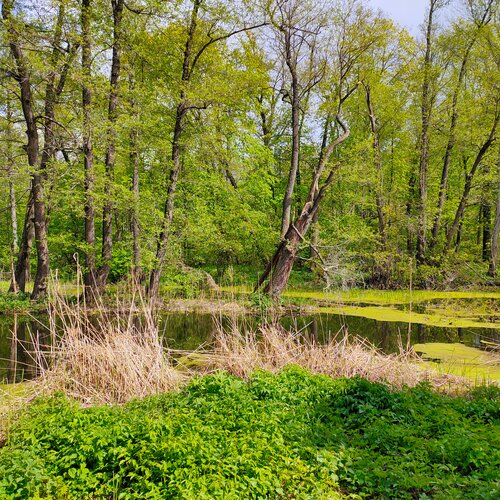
(292, 435)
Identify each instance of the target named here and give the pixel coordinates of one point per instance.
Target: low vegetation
(286, 435)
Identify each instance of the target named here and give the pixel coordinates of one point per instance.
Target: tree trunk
(32, 148)
(443, 186)
(168, 213)
(291, 61)
(492, 271)
(134, 163)
(313, 247)
(379, 190)
(22, 268)
(12, 197)
(182, 109)
(107, 214)
(88, 153)
(486, 230)
(452, 231)
(426, 108)
(280, 266)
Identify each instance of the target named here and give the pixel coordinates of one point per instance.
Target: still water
(189, 331)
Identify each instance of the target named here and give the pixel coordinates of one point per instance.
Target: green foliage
(16, 302)
(292, 435)
(120, 264)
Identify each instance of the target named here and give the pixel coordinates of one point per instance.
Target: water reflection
(20, 334)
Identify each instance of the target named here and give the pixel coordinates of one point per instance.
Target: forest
(249, 137)
(249, 250)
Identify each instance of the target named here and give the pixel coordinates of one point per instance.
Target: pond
(189, 331)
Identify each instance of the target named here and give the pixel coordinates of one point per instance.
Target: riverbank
(267, 413)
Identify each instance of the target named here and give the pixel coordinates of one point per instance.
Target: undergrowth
(285, 435)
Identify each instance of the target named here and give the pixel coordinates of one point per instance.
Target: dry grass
(99, 357)
(272, 348)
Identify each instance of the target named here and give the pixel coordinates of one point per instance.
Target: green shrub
(292, 435)
(10, 302)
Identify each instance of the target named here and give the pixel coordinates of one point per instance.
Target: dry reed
(272, 348)
(100, 357)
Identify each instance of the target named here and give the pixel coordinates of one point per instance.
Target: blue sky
(411, 13)
(408, 13)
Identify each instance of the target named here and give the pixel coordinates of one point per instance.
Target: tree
(350, 46)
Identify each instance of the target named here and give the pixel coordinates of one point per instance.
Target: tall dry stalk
(98, 356)
(272, 348)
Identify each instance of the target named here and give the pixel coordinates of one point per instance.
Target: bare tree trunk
(492, 271)
(379, 189)
(88, 153)
(107, 215)
(24, 81)
(426, 107)
(452, 231)
(291, 61)
(182, 108)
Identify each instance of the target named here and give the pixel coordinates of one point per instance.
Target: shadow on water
(190, 331)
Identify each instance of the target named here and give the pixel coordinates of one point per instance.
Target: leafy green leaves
(292, 435)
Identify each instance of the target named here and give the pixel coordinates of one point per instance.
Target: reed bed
(101, 357)
(272, 348)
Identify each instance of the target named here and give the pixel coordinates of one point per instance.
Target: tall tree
(23, 78)
(427, 103)
(107, 215)
(481, 20)
(88, 153)
(191, 58)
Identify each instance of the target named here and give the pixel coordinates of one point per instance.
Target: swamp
(249, 249)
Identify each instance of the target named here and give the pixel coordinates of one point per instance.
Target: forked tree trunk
(32, 148)
(22, 268)
(280, 266)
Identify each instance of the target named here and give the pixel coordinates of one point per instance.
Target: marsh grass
(99, 357)
(271, 348)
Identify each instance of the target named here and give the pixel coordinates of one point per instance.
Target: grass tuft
(98, 357)
(272, 348)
